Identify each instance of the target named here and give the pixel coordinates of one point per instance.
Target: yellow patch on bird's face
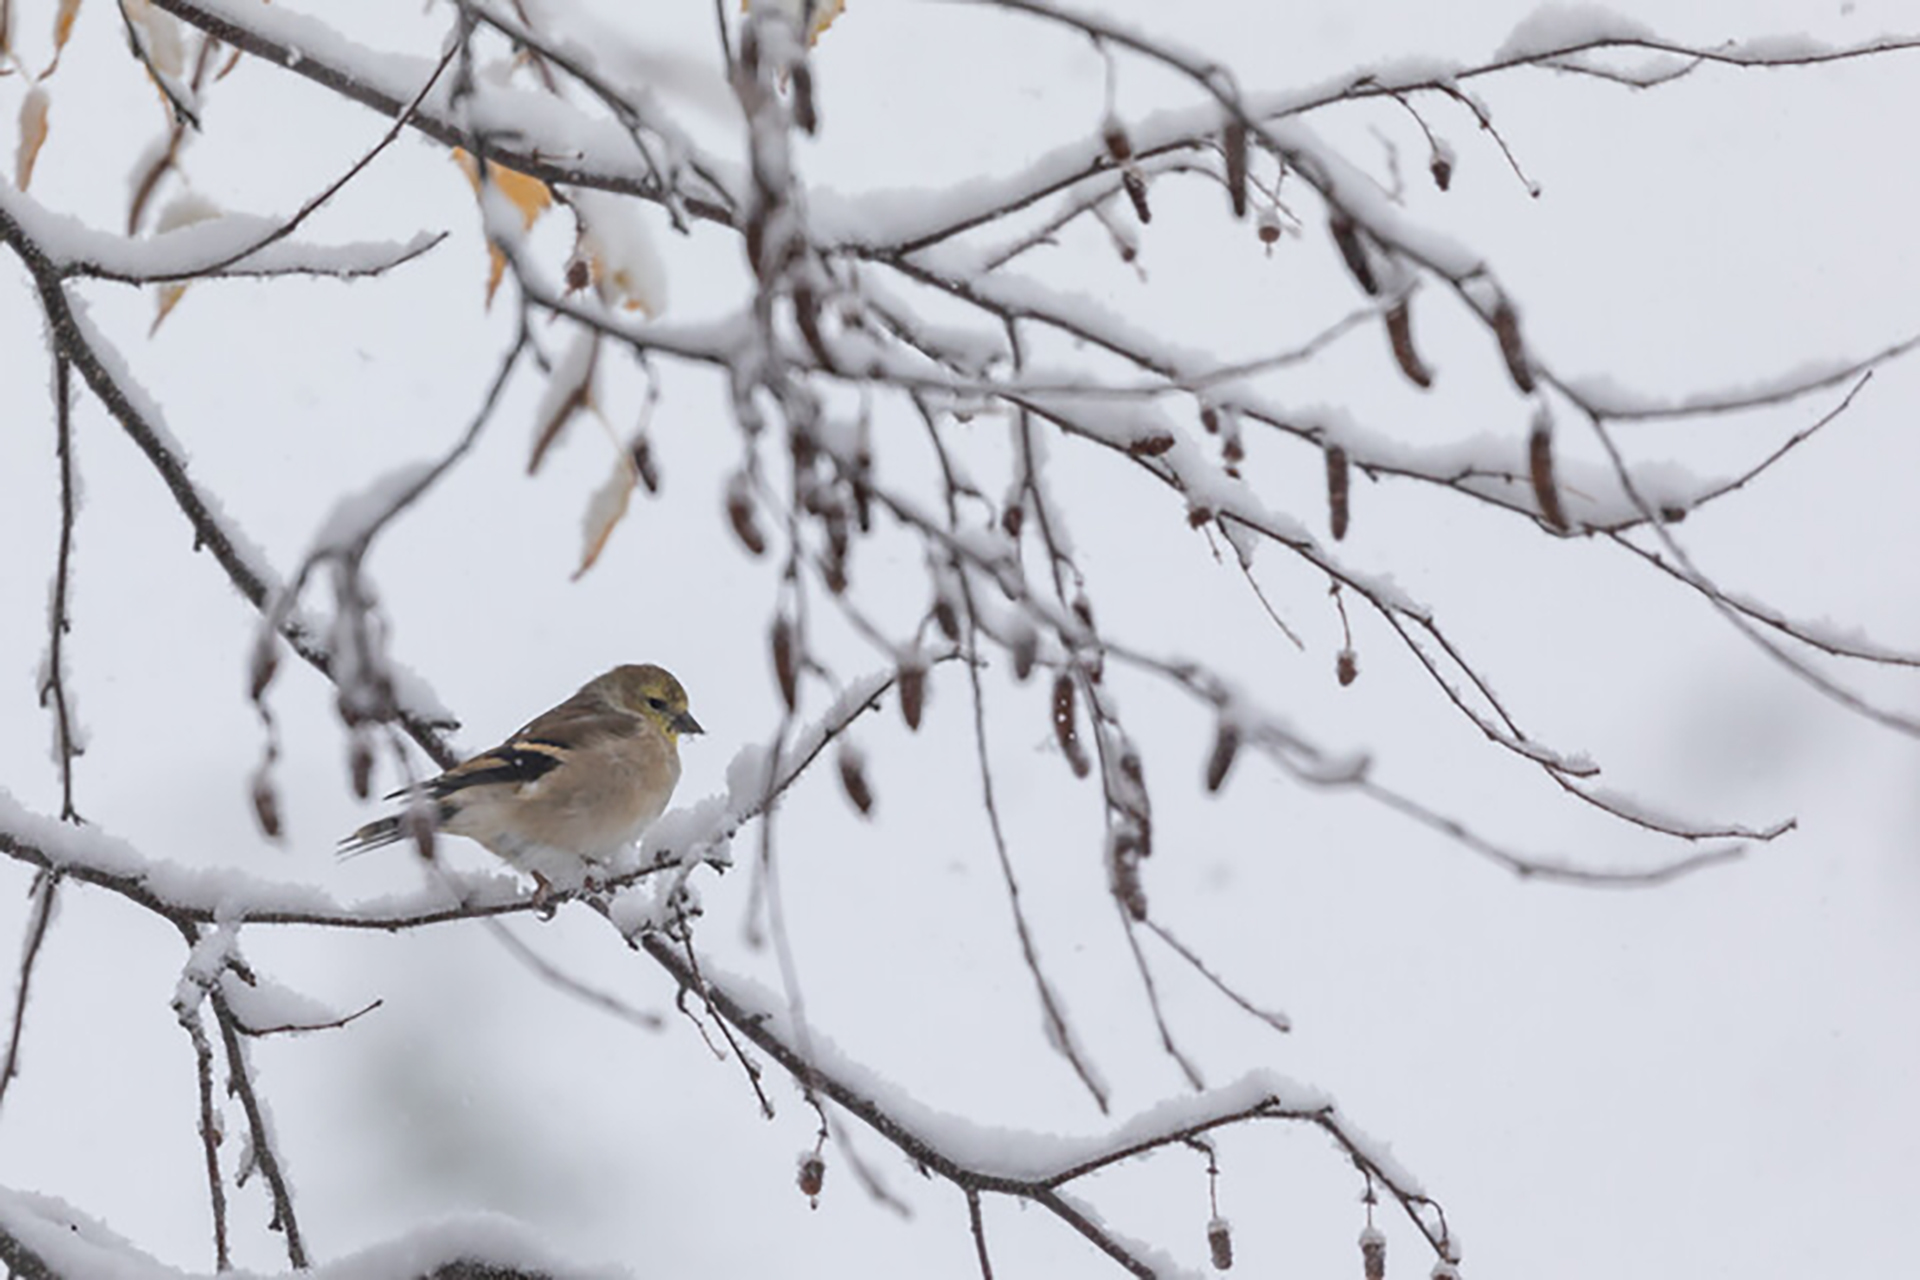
(654, 693)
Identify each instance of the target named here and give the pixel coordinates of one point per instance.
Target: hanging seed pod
(266, 805)
(1338, 478)
(812, 1176)
(360, 765)
(641, 451)
(1210, 419)
(740, 515)
(1346, 667)
(579, 273)
(1373, 1254)
(1198, 517)
(786, 667)
(1540, 468)
(1400, 335)
(1220, 1244)
(804, 112)
(1226, 745)
(1268, 229)
(417, 822)
(946, 617)
(1150, 446)
(1233, 140)
(1123, 873)
(1441, 168)
(265, 665)
(1023, 647)
(1065, 730)
(1119, 147)
(1506, 327)
(1346, 238)
(1013, 519)
(853, 779)
(913, 694)
(1136, 188)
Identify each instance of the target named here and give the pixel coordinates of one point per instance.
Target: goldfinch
(567, 792)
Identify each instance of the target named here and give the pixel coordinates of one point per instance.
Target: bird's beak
(685, 723)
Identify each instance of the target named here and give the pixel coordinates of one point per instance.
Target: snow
(1555, 27)
(1029, 1156)
(74, 1245)
(197, 247)
(355, 517)
(628, 268)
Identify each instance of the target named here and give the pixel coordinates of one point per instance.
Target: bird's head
(652, 692)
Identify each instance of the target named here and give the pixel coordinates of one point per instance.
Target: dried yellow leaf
(527, 194)
(33, 132)
(819, 15)
(168, 298)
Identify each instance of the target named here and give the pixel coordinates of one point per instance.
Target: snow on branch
(44, 1238)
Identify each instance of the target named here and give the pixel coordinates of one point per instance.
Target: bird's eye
(658, 704)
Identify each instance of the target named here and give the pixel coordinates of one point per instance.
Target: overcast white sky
(1711, 1078)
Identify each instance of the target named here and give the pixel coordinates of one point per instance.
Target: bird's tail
(375, 835)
